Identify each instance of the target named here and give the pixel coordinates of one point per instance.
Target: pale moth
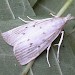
(31, 39)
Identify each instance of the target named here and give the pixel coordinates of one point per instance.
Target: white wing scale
(25, 55)
(15, 34)
(35, 39)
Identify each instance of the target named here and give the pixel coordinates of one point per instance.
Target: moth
(31, 39)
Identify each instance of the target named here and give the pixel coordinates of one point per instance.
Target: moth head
(69, 17)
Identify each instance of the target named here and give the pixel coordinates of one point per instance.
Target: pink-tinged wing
(15, 34)
(30, 42)
(25, 52)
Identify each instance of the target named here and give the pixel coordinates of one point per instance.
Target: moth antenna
(23, 20)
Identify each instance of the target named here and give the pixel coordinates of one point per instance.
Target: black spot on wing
(28, 39)
(26, 27)
(33, 25)
(23, 33)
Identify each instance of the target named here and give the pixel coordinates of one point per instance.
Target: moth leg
(48, 55)
(23, 20)
(59, 44)
(30, 18)
(53, 15)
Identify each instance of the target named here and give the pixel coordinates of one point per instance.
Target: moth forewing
(15, 34)
(32, 39)
(26, 52)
